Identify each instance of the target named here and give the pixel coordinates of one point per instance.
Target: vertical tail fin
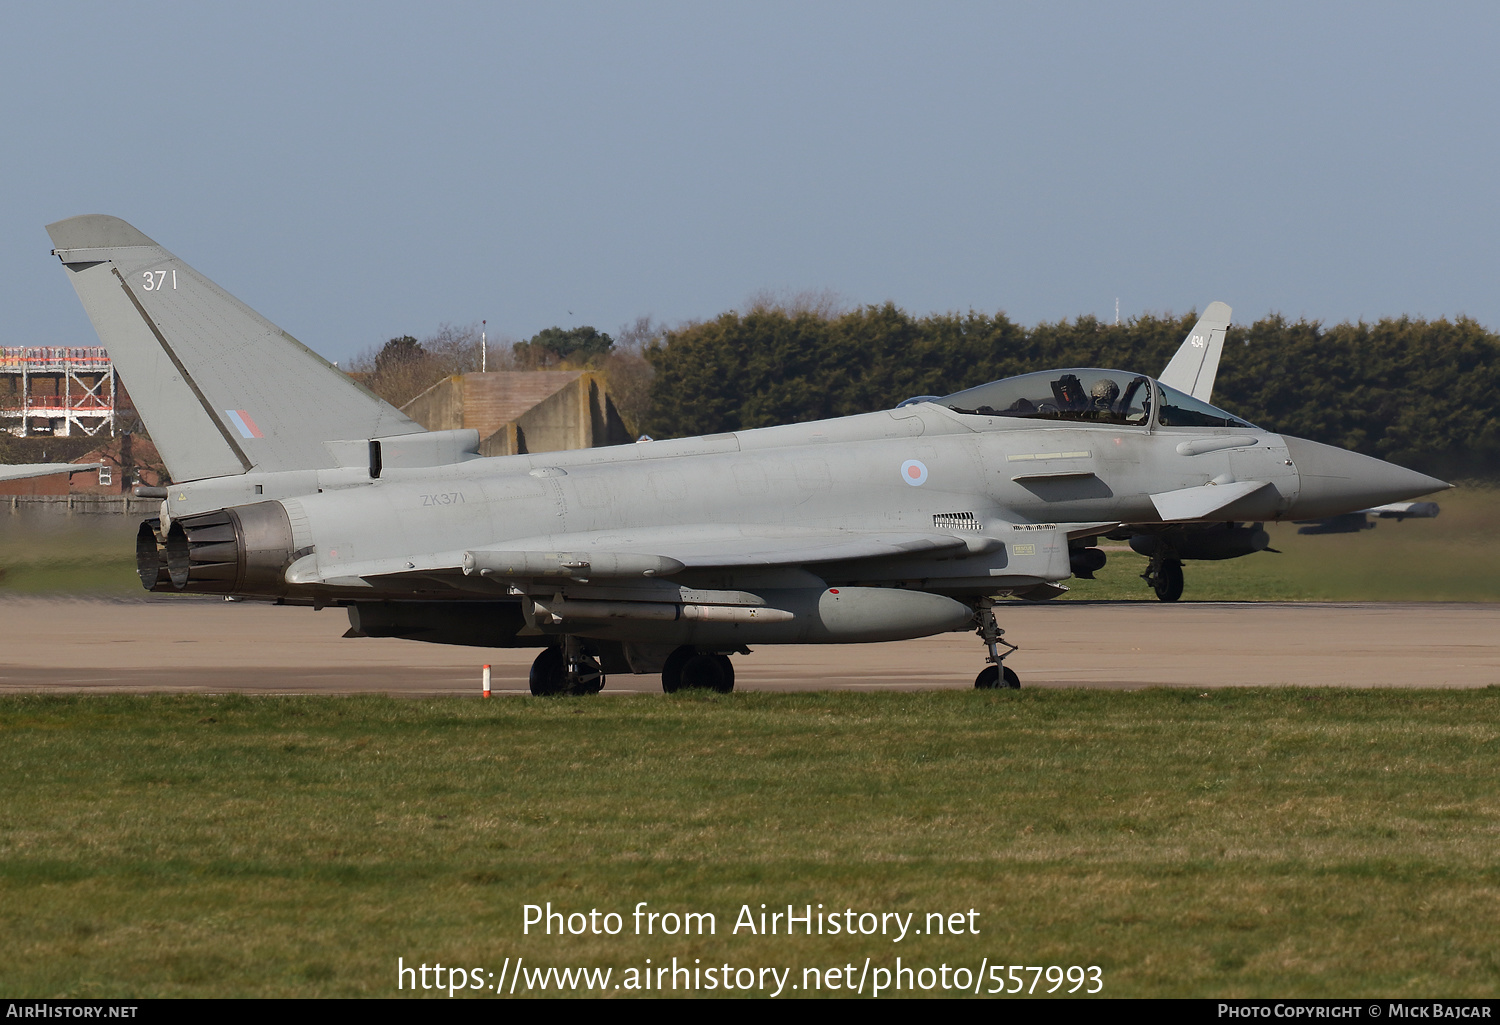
(221, 389)
(1196, 364)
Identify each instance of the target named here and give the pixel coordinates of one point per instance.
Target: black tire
(671, 672)
(727, 665)
(547, 673)
(707, 671)
(1168, 582)
(997, 678)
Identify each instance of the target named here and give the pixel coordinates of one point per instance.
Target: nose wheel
(996, 675)
(1164, 575)
(997, 678)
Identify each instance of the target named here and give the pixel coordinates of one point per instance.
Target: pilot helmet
(1104, 392)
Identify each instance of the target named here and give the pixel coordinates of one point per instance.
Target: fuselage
(923, 468)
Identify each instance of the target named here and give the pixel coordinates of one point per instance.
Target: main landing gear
(575, 667)
(996, 675)
(1164, 575)
(687, 668)
(568, 669)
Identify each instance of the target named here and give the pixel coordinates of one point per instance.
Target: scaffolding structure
(55, 390)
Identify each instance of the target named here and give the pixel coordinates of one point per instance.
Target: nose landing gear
(996, 675)
(1164, 575)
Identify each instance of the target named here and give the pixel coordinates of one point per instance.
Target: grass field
(1455, 557)
(1286, 842)
(67, 552)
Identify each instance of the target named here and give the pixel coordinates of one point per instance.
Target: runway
(203, 645)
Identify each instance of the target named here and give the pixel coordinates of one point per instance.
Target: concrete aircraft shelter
(518, 411)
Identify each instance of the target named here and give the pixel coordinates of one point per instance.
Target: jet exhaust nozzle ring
(240, 550)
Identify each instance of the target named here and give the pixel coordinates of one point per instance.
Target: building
(59, 391)
(523, 411)
(68, 391)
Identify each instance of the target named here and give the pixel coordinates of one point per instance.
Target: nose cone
(1335, 480)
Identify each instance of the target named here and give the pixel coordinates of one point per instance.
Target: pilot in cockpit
(1103, 395)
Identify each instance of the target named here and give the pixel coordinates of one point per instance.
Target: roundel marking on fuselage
(914, 472)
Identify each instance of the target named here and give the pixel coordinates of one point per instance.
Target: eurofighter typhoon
(292, 484)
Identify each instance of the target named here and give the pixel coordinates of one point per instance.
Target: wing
(20, 471)
(711, 545)
(641, 553)
(1353, 523)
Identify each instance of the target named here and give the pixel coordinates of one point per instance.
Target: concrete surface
(194, 644)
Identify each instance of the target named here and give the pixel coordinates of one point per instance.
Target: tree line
(1422, 393)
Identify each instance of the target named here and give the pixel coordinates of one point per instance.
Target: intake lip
(1334, 480)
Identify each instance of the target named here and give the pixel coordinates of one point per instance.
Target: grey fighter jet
(292, 484)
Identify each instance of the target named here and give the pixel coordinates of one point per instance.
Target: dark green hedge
(1422, 393)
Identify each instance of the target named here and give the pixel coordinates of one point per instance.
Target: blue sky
(357, 171)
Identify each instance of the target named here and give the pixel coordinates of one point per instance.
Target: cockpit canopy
(1087, 396)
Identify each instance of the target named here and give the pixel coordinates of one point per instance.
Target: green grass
(67, 552)
(1234, 843)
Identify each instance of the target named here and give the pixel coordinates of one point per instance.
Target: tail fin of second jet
(1196, 364)
(221, 389)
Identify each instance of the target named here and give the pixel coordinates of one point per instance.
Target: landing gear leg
(566, 670)
(996, 675)
(582, 673)
(1164, 575)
